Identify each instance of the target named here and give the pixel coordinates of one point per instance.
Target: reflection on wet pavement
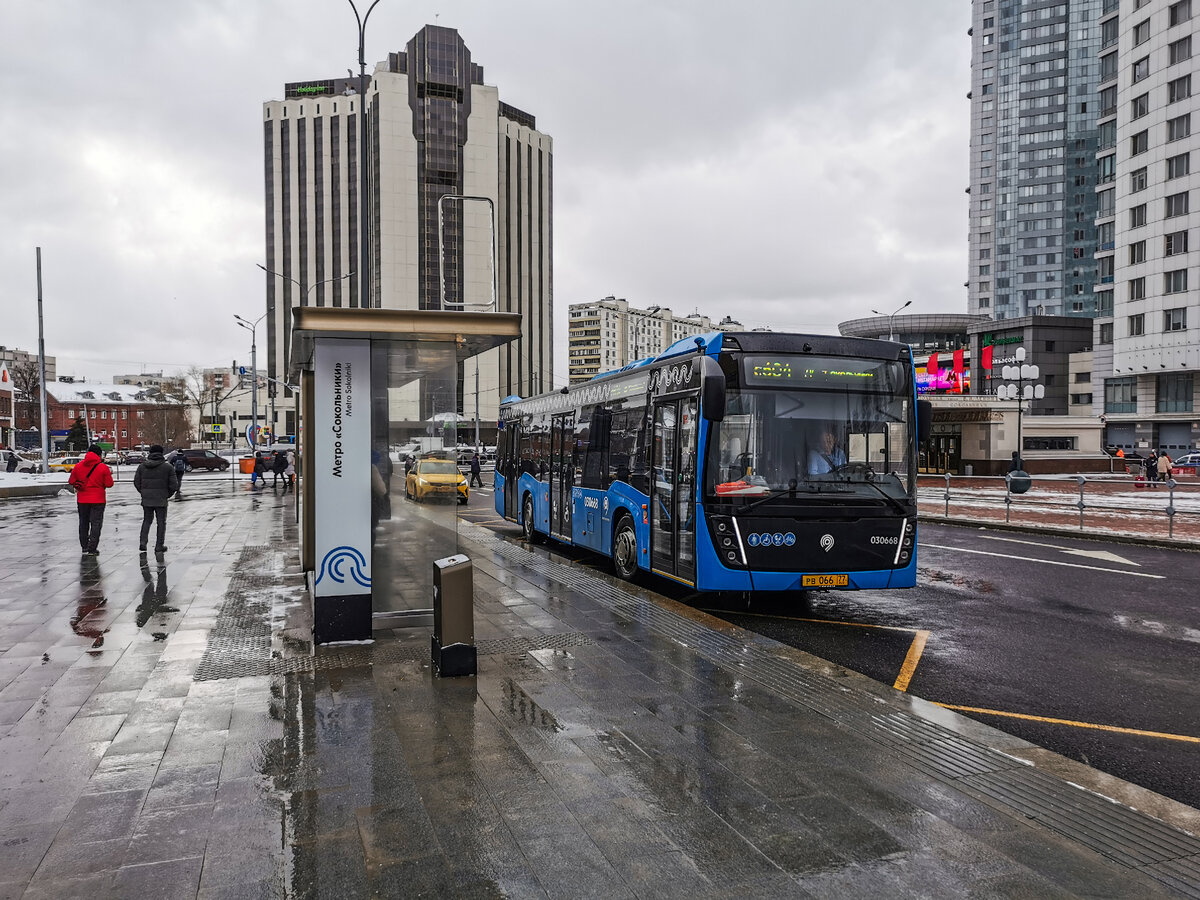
(204, 748)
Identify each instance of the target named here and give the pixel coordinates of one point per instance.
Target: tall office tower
(1033, 157)
(1146, 348)
(609, 333)
(433, 128)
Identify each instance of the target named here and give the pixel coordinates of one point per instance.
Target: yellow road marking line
(910, 661)
(1115, 728)
(907, 669)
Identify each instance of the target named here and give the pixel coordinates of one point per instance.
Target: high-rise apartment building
(1034, 69)
(1146, 342)
(609, 333)
(433, 128)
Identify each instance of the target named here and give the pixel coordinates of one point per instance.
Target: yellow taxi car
(65, 463)
(436, 479)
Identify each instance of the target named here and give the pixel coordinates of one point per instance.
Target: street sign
(214, 429)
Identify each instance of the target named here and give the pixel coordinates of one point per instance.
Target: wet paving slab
(167, 729)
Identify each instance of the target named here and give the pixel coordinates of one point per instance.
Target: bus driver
(828, 455)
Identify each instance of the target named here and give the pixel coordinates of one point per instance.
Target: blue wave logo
(332, 564)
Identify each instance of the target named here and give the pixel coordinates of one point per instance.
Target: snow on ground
(17, 479)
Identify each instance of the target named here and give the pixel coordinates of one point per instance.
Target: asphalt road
(1087, 648)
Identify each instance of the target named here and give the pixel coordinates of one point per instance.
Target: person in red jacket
(90, 479)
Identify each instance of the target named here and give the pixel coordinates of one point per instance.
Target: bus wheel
(527, 519)
(625, 549)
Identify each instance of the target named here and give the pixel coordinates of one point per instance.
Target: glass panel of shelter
(414, 384)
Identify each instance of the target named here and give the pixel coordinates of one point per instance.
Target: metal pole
(364, 268)
(42, 368)
(254, 375)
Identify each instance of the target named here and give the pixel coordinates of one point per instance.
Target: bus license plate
(825, 581)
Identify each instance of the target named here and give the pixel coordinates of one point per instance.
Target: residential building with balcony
(609, 334)
(1147, 333)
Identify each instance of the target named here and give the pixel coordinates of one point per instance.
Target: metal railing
(1108, 501)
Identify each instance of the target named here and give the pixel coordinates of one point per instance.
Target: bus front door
(562, 474)
(673, 490)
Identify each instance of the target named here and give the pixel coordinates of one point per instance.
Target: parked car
(436, 477)
(202, 459)
(65, 463)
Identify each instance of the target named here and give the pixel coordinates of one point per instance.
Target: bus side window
(595, 466)
(639, 477)
(525, 447)
(622, 443)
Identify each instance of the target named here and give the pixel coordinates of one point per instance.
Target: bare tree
(195, 392)
(27, 388)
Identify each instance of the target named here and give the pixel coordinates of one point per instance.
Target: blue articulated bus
(731, 462)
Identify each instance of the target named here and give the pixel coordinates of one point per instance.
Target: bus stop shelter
(368, 553)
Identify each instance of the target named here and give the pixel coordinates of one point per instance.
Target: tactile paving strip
(1124, 835)
(240, 643)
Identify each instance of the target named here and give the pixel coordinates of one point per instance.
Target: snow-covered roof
(107, 394)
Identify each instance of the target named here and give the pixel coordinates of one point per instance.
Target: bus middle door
(512, 467)
(562, 474)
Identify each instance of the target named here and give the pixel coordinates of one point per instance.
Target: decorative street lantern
(1017, 389)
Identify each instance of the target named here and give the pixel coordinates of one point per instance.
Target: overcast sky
(774, 160)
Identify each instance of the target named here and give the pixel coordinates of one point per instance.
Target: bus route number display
(808, 371)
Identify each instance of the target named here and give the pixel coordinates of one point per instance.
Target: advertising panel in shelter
(342, 449)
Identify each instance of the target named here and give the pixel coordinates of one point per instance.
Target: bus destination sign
(810, 371)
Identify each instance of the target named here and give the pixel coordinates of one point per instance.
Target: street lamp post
(251, 326)
(364, 280)
(307, 293)
(1021, 392)
(892, 317)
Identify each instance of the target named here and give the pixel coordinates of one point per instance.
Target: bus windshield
(805, 425)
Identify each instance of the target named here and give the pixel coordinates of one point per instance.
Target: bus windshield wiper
(793, 489)
(886, 496)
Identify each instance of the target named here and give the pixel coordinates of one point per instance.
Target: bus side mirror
(924, 420)
(712, 390)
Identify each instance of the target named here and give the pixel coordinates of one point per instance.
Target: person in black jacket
(156, 481)
(279, 466)
(180, 464)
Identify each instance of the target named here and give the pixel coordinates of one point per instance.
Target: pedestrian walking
(180, 466)
(279, 467)
(90, 480)
(1150, 463)
(475, 470)
(290, 472)
(156, 480)
(1164, 466)
(259, 473)
(1017, 465)
(11, 465)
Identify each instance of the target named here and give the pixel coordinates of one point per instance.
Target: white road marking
(1092, 554)
(1049, 562)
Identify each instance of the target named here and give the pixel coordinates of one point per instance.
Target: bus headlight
(725, 539)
